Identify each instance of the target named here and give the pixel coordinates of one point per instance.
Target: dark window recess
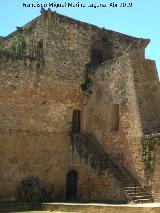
(40, 49)
(76, 121)
(115, 117)
(96, 57)
(71, 185)
(36, 49)
(40, 44)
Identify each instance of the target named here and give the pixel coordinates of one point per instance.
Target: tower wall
(40, 88)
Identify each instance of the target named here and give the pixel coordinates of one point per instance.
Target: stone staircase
(93, 154)
(133, 190)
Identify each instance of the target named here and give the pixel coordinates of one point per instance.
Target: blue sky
(140, 20)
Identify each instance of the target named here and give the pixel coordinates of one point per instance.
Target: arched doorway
(71, 185)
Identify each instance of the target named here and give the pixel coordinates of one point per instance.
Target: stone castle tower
(80, 110)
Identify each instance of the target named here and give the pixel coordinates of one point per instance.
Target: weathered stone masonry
(42, 66)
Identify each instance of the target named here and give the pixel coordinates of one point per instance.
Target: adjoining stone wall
(124, 82)
(151, 159)
(148, 94)
(113, 83)
(156, 179)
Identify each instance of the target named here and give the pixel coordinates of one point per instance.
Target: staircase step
(140, 197)
(133, 188)
(133, 191)
(137, 193)
(125, 178)
(129, 184)
(142, 200)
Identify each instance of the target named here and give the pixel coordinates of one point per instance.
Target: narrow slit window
(76, 120)
(115, 117)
